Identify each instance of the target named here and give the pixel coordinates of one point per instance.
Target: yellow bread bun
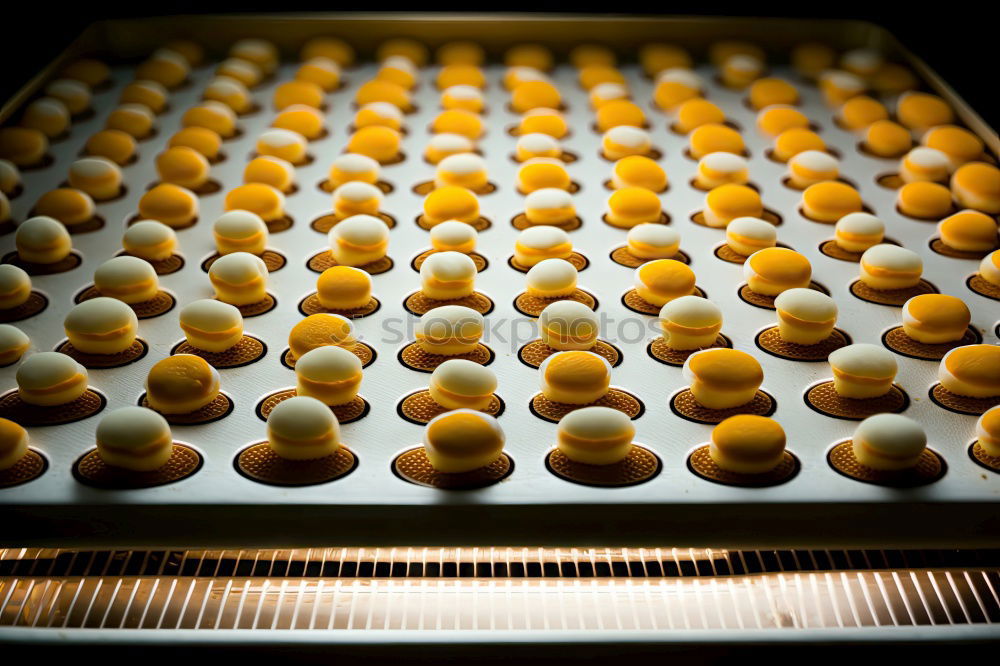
(462, 440)
(48, 115)
(769, 91)
(447, 275)
(358, 240)
(382, 90)
(595, 435)
(240, 231)
(862, 371)
(619, 142)
(515, 76)
(543, 120)
(575, 377)
(330, 374)
(450, 203)
(211, 325)
(89, 71)
(885, 138)
(829, 201)
(549, 205)
(10, 177)
(972, 370)
(722, 378)
(23, 146)
(862, 62)
(15, 286)
(805, 316)
(638, 171)
(98, 177)
(858, 113)
(924, 199)
(652, 241)
(127, 279)
(318, 330)
(657, 57)
(242, 70)
(796, 140)
(272, 171)
(303, 428)
(662, 280)
(747, 444)
(714, 138)
(263, 200)
(42, 240)
(454, 236)
(920, 111)
(184, 166)
(286, 144)
(619, 112)
(812, 166)
(674, 86)
(297, 91)
(149, 240)
(989, 267)
(344, 288)
(262, 53)
(568, 325)
(135, 120)
(333, 48)
(76, 95)
(449, 330)
(460, 53)
(888, 442)
(230, 92)
(204, 140)
(136, 439)
(923, 163)
(357, 198)
(740, 70)
(725, 203)
(977, 185)
(47, 379)
(959, 144)
(320, 71)
(181, 384)
(464, 170)
(988, 431)
(536, 244)
(811, 59)
(301, 119)
(629, 206)
(239, 278)
(465, 97)
(529, 55)
(461, 384)
(591, 55)
(690, 322)
(66, 204)
(534, 145)
(603, 93)
(166, 67)
(173, 205)
(717, 169)
(101, 325)
(856, 232)
(935, 318)
(969, 231)
(13, 443)
(539, 173)
(551, 278)
(534, 95)
(399, 70)
(772, 121)
(776, 269)
(458, 121)
(353, 167)
(887, 266)
(746, 235)
(893, 79)
(13, 344)
(838, 86)
(379, 143)
(695, 113)
(440, 146)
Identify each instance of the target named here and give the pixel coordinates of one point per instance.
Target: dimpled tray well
(532, 505)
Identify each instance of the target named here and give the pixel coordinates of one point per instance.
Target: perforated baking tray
(218, 507)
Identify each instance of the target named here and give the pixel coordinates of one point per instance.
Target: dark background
(959, 45)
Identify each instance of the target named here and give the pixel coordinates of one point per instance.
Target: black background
(958, 43)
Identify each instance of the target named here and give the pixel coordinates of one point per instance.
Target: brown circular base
(979, 285)
(639, 466)
(71, 261)
(36, 303)
(579, 262)
(258, 462)
(533, 353)
(890, 181)
(14, 408)
(532, 306)
(636, 303)
(769, 340)
(983, 459)
(171, 264)
(701, 463)
(418, 304)
(362, 350)
(137, 350)
(926, 218)
(328, 187)
(938, 246)
(767, 216)
(160, 304)
(176, 227)
(623, 257)
(824, 399)
(277, 225)
(218, 409)
(324, 260)
(961, 404)
(479, 260)
(310, 305)
(257, 309)
(93, 224)
(766, 302)
(429, 186)
(928, 469)
(898, 341)
(248, 350)
(551, 411)
(481, 223)
(324, 223)
(420, 408)
(273, 260)
(91, 470)
(520, 222)
(414, 466)
(684, 405)
(727, 253)
(892, 297)
(659, 351)
(31, 466)
(349, 412)
(834, 251)
(414, 357)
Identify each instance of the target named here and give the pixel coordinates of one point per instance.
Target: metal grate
(496, 589)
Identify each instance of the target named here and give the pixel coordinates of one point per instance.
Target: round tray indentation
(414, 357)
(520, 222)
(701, 463)
(659, 351)
(983, 459)
(929, 468)
(769, 340)
(160, 304)
(961, 404)
(634, 302)
(36, 303)
(324, 260)
(978, 284)
(136, 351)
(17, 410)
(898, 341)
(310, 305)
(71, 261)
(277, 225)
(623, 401)
(258, 462)
(219, 408)
(418, 407)
(414, 466)
(260, 308)
(891, 297)
(31, 466)
(639, 466)
(685, 406)
(766, 302)
(248, 350)
(533, 353)
(623, 257)
(481, 223)
(938, 246)
(532, 306)
(824, 399)
(349, 412)
(91, 470)
(418, 304)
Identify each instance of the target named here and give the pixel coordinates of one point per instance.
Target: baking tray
(219, 507)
